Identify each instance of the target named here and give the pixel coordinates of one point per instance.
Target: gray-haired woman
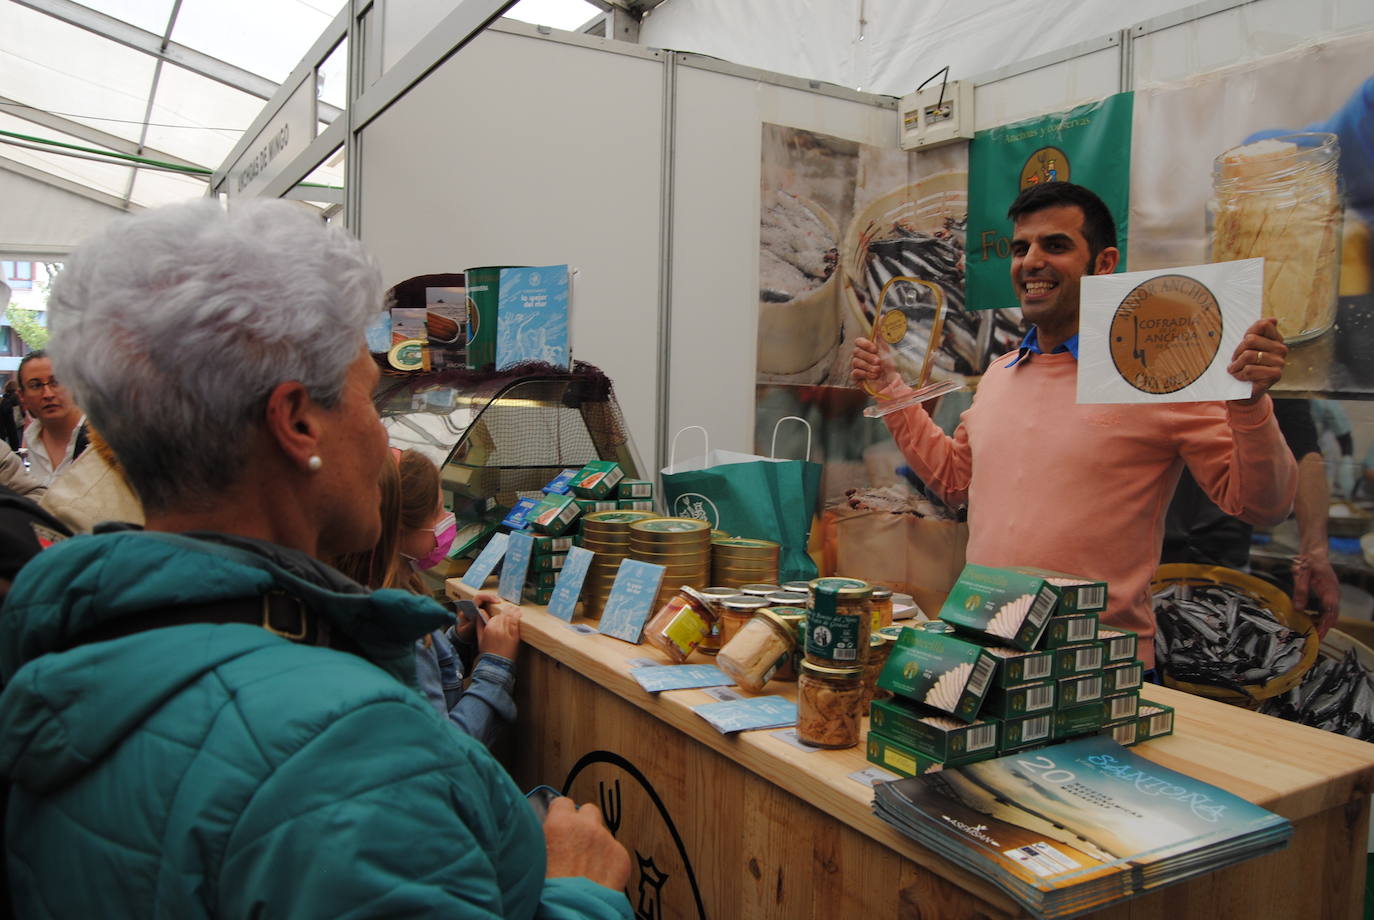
(201, 719)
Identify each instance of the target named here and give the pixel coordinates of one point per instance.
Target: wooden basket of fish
(1336, 694)
(1228, 636)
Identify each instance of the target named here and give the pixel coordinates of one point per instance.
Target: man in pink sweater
(1077, 488)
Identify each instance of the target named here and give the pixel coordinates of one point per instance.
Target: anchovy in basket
(1336, 695)
(1221, 636)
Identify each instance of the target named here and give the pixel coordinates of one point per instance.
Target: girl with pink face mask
(417, 534)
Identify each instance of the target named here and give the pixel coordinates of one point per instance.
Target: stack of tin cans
(681, 545)
(741, 561)
(607, 534)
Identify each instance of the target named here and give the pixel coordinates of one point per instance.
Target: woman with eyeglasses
(56, 435)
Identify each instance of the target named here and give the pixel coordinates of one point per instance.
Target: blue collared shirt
(1031, 344)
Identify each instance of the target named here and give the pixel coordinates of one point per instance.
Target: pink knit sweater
(1082, 489)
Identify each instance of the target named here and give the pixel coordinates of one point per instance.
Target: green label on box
(939, 670)
(1069, 629)
(1074, 691)
(1005, 605)
(1119, 678)
(1078, 659)
(899, 758)
(1079, 720)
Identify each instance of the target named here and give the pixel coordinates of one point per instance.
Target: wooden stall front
(751, 826)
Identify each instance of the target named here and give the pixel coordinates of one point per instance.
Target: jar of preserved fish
(829, 705)
(1280, 199)
(879, 646)
(795, 618)
(881, 599)
(715, 597)
(680, 625)
(840, 622)
(755, 653)
(735, 612)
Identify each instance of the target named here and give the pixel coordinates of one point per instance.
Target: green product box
(1154, 721)
(935, 734)
(1122, 707)
(635, 488)
(1121, 645)
(547, 562)
(1123, 733)
(538, 595)
(597, 479)
(554, 514)
(542, 580)
(1076, 593)
(1012, 702)
(897, 757)
(1075, 691)
(543, 545)
(1019, 667)
(1002, 605)
(1069, 629)
(1023, 731)
(1079, 720)
(484, 296)
(635, 504)
(1072, 660)
(1118, 678)
(939, 670)
(593, 505)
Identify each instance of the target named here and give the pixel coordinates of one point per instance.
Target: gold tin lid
(891, 633)
(829, 673)
(672, 526)
(719, 535)
(744, 603)
(779, 624)
(623, 518)
(789, 613)
(408, 355)
(878, 640)
(844, 587)
(745, 543)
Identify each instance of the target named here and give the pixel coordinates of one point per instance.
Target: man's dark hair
(33, 355)
(1099, 229)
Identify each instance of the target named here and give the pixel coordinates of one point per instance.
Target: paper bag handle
(773, 449)
(672, 451)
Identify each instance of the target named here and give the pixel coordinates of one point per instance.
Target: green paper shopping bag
(745, 495)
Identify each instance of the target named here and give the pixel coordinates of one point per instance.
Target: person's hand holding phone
(579, 844)
(498, 626)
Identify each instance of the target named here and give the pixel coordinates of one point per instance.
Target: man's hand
(580, 845)
(1259, 358)
(500, 635)
(1315, 580)
(872, 369)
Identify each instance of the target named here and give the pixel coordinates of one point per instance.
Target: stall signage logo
(1165, 333)
(1048, 164)
(696, 505)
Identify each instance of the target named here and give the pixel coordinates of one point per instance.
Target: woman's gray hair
(172, 327)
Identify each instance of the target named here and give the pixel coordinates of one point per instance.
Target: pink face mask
(445, 529)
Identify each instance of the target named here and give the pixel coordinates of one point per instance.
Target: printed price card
(486, 561)
(632, 599)
(744, 715)
(569, 586)
(519, 548)
(659, 677)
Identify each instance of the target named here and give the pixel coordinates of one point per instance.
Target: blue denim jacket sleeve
(488, 701)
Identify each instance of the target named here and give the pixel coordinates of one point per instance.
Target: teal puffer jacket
(220, 770)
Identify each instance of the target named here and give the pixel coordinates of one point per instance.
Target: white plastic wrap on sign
(1166, 335)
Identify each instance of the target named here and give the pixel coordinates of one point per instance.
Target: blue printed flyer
(518, 551)
(632, 599)
(745, 715)
(659, 677)
(532, 316)
(569, 585)
(486, 561)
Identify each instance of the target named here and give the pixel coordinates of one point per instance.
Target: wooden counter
(748, 825)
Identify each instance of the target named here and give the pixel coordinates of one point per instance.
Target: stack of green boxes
(1059, 675)
(635, 495)
(551, 521)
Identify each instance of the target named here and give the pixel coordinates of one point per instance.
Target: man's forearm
(1311, 506)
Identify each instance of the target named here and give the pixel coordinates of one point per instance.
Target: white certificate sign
(1166, 335)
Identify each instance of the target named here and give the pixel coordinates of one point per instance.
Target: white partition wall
(526, 151)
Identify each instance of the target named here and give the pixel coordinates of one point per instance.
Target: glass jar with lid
(879, 647)
(758, 590)
(829, 705)
(715, 596)
(680, 625)
(840, 622)
(753, 656)
(795, 618)
(881, 599)
(1280, 199)
(735, 612)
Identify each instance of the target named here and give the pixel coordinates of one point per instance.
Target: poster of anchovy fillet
(839, 221)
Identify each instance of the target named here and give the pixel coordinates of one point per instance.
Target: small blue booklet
(569, 585)
(632, 599)
(532, 316)
(659, 677)
(517, 566)
(486, 561)
(744, 715)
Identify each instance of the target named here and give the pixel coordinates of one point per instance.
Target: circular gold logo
(1048, 164)
(1165, 334)
(892, 325)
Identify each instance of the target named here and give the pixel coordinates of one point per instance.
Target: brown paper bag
(919, 556)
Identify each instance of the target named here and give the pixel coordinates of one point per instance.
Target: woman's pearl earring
(314, 463)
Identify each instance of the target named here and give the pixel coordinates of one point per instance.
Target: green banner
(1089, 145)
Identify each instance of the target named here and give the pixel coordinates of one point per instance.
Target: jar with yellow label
(795, 618)
(753, 655)
(829, 705)
(881, 599)
(715, 597)
(680, 625)
(840, 622)
(879, 647)
(735, 612)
